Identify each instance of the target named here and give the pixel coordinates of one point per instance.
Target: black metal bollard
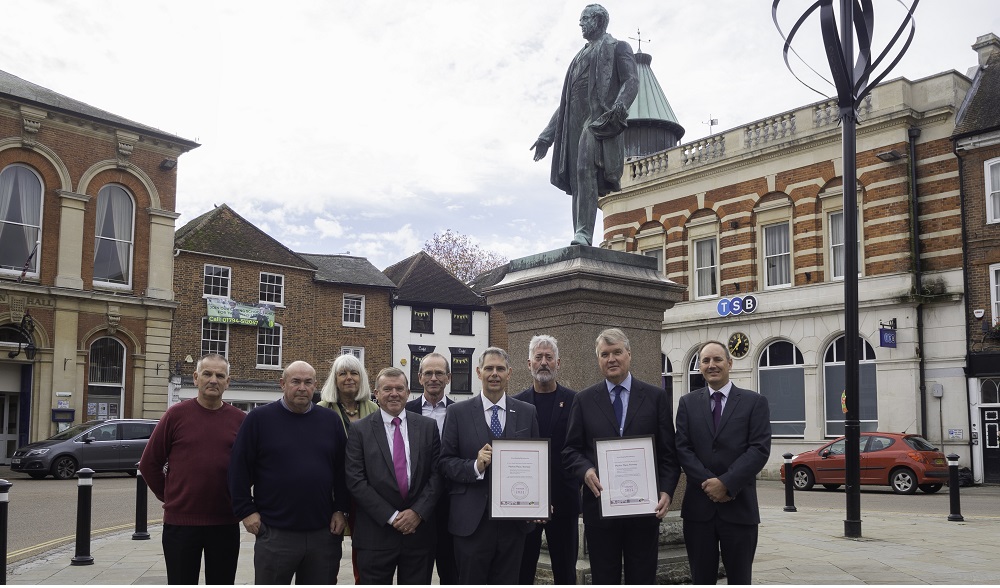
(85, 492)
(956, 502)
(789, 484)
(140, 507)
(4, 504)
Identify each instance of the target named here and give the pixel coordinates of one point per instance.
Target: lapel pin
(561, 404)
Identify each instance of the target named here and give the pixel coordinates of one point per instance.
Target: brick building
(977, 145)
(322, 306)
(750, 220)
(435, 311)
(86, 233)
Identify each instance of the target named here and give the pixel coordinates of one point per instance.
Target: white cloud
(329, 228)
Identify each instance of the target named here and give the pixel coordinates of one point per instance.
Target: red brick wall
(983, 242)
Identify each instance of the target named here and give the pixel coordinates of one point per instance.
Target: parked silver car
(104, 446)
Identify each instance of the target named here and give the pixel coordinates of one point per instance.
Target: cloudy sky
(368, 126)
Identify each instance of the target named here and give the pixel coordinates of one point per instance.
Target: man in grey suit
(620, 406)
(391, 470)
(723, 441)
(487, 551)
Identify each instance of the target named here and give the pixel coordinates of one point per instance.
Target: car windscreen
(919, 443)
(71, 432)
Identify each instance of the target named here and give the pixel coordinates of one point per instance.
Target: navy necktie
(495, 422)
(619, 407)
(717, 409)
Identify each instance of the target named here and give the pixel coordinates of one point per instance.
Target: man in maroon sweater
(186, 465)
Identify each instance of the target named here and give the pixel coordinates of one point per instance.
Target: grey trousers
(311, 557)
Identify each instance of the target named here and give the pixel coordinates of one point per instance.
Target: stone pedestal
(573, 294)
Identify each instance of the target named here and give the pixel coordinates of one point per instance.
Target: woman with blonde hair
(347, 391)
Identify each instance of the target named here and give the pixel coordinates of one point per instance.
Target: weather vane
(638, 37)
(711, 123)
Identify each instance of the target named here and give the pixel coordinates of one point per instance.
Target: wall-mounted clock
(739, 345)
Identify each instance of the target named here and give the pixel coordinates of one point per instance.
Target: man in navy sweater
(292, 457)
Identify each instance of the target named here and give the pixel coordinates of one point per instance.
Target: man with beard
(487, 551)
(552, 401)
(434, 377)
(588, 154)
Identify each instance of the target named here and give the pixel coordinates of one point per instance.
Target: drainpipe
(912, 134)
(965, 284)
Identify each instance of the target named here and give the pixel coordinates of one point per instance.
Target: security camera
(979, 313)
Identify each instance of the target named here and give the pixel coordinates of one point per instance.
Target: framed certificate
(627, 469)
(519, 479)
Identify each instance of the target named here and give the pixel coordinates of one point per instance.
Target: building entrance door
(991, 445)
(8, 435)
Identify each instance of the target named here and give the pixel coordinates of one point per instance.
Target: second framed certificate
(519, 479)
(627, 469)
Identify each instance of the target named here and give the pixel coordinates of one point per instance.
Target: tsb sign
(737, 305)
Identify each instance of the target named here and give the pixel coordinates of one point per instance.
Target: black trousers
(562, 536)
(183, 546)
(447, 569)
(378, 566)
(705, 540)
(629, 544)
(492, 554)
(311, 557)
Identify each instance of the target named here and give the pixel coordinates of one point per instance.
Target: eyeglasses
(438, 374)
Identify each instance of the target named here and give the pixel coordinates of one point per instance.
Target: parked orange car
(904, 462)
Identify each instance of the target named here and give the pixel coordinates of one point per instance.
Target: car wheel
(831, 486)
(802, 478)
(903, 481)
(37, 475)
(931, 488)
(64, 468)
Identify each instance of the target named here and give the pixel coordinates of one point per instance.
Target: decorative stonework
(32, 122)
(126, 142)
(114, 318)
(18, 305)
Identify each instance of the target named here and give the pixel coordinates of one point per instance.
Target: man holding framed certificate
(626, 426)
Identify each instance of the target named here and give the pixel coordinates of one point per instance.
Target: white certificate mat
(626, 467)
(519, 479)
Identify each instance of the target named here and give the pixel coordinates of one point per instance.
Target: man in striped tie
(394, 530)
(487, 551)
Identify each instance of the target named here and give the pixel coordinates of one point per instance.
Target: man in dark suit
(723, 441)
(435, 376)
(487, 551)
(391, 469)
(552, 401)
(620, 406)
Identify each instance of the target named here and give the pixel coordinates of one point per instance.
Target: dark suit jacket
(734, 454)
(592, 417)
(371, 479)
(564, 488)
(465, 433)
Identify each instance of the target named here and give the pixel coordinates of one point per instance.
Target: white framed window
(354, 310)
(777, 256)
(995, 292)
(272, 288)
(992, 175)
(706, 268)
(217, 279)
(358, 352)
(781, 379)
(106, 379)
(114, 233)
(696, 381)
(656, 254)
(834, 378)
(214, 338)
(269, 347)
(837, 259)
(20, 220)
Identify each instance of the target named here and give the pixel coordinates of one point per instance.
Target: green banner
(225, 310)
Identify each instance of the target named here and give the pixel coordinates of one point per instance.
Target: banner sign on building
(225, 310)
(887, 338)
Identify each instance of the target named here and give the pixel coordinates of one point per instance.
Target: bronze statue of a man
(588, 154)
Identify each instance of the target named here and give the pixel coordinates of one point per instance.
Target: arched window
(20, 220)
(696, 381)
(782, 380)
(834, 379)
(113, 241)
(106, 381)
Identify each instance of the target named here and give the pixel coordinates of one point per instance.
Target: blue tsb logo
(737, 305)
